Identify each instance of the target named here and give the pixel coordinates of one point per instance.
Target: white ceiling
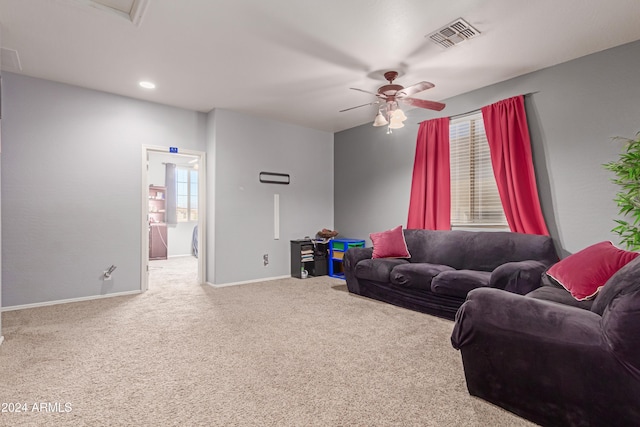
(295, 60)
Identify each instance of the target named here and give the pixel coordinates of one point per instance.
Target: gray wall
(1, 96)
(244, 213)
(574, 111)
(71, 186)
(70, 175)
(71, 189)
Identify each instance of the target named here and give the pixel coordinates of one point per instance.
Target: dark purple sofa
(552, 359)
(445, 265)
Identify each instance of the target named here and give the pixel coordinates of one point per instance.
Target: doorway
(174, 236)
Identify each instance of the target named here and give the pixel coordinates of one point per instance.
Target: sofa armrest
(489, 311)
(519, 277)
(544, 361)
(351, 258)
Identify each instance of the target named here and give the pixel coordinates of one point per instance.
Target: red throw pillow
(389, 244)
(585, 272)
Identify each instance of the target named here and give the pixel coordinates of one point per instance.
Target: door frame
(202, 214)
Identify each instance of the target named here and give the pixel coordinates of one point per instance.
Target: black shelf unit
(308, 255)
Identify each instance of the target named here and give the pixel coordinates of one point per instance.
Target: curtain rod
(458, 116)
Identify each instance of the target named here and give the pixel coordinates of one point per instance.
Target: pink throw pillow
(585, 272)
(390, 244)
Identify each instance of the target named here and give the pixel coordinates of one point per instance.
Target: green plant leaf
(627, 176)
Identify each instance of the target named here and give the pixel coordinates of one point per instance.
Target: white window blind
(475, 201)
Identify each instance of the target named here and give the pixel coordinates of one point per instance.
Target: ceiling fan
(393, 94)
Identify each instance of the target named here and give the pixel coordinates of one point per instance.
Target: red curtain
(430, 202)
(505, 123)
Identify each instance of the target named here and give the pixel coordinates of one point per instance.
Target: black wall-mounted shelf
(275, 178)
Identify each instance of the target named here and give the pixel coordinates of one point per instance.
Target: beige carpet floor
(286, 352)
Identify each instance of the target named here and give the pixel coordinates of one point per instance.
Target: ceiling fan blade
(362, 90)
(363, 105)
(423, 103)
(370, 93)
(412, 90)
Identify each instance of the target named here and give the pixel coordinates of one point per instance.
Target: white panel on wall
(276, 216)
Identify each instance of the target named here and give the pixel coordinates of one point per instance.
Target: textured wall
(244, 212)
(1, 96)
(574, 111)
(71, 181)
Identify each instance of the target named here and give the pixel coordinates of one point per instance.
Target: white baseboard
(65, 301)
(266, 279)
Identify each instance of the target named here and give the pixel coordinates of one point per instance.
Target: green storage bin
(337, 248)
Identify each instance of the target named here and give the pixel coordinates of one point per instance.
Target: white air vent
(454, 33)
(10, 60)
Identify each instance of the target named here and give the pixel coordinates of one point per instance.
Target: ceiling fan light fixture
(396, 124)
(380, 120)
(390, 95)
(398, 114)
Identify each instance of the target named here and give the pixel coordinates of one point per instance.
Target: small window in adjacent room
(187, 194)
(475, 202)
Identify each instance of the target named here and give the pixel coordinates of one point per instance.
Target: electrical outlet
(265, 259)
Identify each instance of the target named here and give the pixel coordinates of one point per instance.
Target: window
(187, 194)
(475, 201)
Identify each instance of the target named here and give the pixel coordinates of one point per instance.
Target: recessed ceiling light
(147, 85)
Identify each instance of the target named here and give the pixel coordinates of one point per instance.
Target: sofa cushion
(621, 327)
(458, 283)
(586, 271)
(477, 250)
(560, 295)
(519, 277)
(390, 244)
(623, 282)
(417, 276)
(378, 269)
(619, 305)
